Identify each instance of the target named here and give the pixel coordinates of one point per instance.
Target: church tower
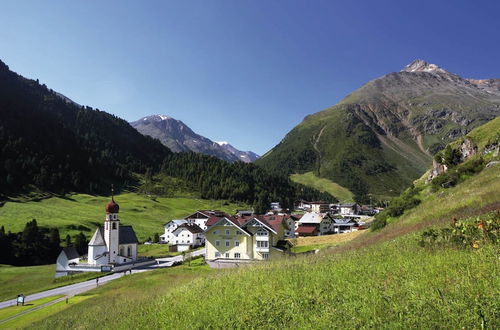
(112, 230)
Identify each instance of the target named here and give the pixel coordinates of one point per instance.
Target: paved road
(73, 289)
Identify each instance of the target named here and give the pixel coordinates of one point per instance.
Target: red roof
(306, 229)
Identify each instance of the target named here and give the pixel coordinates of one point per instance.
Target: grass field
(14, 310)
(27, 280)
(382, 279)
(323, 185)
(145, 214)
(304, 244)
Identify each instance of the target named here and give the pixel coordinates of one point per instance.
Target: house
(320, 207)
(275, 206)
(245, 238)
(307, 230)
(322, 222)
(187, 236)
(200, 217)
(302, 205)
(349, 209)
(113, 243)
(68, 256)
(344, 225)
(168, 237)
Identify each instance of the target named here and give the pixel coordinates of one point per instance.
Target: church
(113, 243)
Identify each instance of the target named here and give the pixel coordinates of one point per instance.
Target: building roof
(193, 228)
(206, 214)
(312, 217)
(178, 222)
(98, 238)
(347, 205)
(127, 235)
(306, 229)
(71, 252)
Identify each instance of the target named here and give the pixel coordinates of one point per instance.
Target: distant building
(188, 236)
(320, 207)
(68, 256)
(275, 206)
(349, 209)
(321, 221)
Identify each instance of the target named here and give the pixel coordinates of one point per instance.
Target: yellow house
(245, 238)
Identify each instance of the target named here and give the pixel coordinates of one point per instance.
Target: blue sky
(242, 71)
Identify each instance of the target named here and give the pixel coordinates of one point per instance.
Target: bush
(469, 233)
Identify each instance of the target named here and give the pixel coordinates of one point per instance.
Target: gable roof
(71, 252)
(311, 217)
(205, 214)
(237, 222)
(193, 228)
(178, 222)
(306, 229)
(127, 235)
(98, 238)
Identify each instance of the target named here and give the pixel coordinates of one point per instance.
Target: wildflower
(475, 245)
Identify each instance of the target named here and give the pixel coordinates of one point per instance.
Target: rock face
(180, 138)
(437, 169)
(382, 136)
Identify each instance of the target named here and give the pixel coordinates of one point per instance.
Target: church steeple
(112, 228)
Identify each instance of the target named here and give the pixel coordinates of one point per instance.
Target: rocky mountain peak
(422, 66)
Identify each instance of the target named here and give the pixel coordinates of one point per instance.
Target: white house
(168, 237)
(344, 225)
(200, 217)
(113, 243)
(349, 209)
(68, 256)
(321, 221)
(188, 236)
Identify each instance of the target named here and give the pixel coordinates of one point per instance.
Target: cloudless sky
(236, 70)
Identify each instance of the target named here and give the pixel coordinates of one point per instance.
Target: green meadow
(32, 279)
(382, 279)
(323, 185)
(146, 214)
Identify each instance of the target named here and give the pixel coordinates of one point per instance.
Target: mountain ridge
(176, 135)
(383, 135)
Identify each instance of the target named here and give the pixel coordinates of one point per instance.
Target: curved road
(73, 289)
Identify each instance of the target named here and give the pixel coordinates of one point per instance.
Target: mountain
(244, 156)
(180, 138)
(381, 137)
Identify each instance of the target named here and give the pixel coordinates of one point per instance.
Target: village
(223, 239)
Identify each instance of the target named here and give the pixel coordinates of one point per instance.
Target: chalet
(187, 236)
(168, 237)
(321, 221)
(200, 217)
(349, 209)
(245, 238)
(320, 207)
(344, 225)
(302, 205)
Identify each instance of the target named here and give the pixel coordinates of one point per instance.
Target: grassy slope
(381, 279)
(323, 185)
(146, 215)
(27, 280)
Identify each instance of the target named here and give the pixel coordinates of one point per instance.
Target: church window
(129, 254)
(114, 225)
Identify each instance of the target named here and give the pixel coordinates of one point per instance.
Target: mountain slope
(180, 138)
(382, 136)
(406, 285)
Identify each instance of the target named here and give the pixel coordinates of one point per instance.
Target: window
(237, 255)
(216, 232)
(114, 225)
(262, 244)
(228, 243)
(217, 254)
(238, 232)
(265, 256)
(228, 232)
(236, 243)
(261, 232)
(227, 254)
(217, 243)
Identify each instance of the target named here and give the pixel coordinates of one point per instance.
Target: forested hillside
(51, 144)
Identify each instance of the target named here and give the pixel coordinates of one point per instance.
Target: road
(73, 289)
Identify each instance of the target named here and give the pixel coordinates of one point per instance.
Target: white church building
(113, 243)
